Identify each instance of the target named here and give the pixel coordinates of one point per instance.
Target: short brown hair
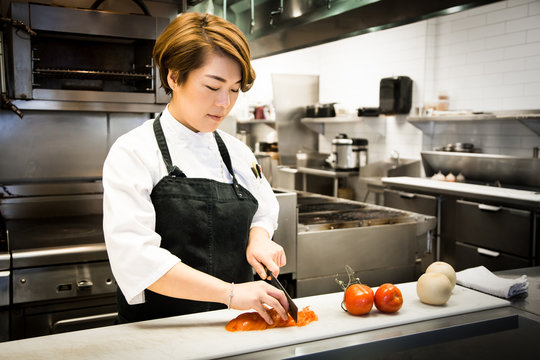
(184, 44)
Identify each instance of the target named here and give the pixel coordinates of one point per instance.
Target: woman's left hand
(262, 251)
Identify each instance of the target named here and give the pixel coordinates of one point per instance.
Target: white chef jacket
(134, 166)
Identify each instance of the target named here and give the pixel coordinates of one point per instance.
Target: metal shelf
(257, 121)
(90, 74)
(319, 124)
(529, 118)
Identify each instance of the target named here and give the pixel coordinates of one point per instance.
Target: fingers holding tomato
(358, 299)
(388, 298)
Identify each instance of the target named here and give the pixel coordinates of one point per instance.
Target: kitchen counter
(415, 327)
(530, 198)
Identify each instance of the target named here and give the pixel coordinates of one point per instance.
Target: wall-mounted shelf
(257, 121)
(331, 120)
(529, 118)
(318, 124)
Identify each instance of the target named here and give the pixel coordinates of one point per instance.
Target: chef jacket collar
(182, 132)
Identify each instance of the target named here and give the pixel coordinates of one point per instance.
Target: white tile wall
(486, 59)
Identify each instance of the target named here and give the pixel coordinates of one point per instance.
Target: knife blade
(293, 309)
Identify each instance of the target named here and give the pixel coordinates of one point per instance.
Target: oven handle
(82, 320)
(83, 284)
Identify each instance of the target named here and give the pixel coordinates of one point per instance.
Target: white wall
(485, 59)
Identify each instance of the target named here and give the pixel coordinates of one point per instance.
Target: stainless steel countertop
(528, 302)
(530, 198)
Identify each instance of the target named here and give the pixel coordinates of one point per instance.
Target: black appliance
(320, 110)
(395, 96)
(368, 111)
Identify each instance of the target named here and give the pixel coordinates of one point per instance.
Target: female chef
(187, 213)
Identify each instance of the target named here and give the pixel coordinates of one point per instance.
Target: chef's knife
(293, 309)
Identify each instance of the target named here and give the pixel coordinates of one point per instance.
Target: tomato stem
(352, 279)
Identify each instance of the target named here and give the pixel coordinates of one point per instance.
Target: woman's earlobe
(171, 80)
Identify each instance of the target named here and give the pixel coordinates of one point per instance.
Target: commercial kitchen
(393, 135)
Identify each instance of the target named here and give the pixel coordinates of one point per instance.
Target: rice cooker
(348, 153)
(343, 155)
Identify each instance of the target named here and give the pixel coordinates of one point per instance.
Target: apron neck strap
(224, 154)
(227, 160)
(173, 170)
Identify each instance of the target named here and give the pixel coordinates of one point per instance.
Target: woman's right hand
(255, 295)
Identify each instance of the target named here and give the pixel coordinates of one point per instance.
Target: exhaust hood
(276, 26)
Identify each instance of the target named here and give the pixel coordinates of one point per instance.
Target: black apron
(205, 223)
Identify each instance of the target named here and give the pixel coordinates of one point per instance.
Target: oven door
(53, 317)
(60, 298)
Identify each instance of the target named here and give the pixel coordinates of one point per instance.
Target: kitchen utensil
(321, 110)
(293, 309)
(459, 147)
(368, 111)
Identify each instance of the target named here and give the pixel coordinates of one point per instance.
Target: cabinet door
(471, 256)
(418, 203)
(494, 227)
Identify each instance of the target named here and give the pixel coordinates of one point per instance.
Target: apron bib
(205, 223)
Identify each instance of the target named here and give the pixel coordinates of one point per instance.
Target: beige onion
(433, 288)
(445, 269)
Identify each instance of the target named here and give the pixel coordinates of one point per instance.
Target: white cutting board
(203, 335)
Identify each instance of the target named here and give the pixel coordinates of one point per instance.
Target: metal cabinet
(471, 256)
(494, 235)
(473, 232)
(410, 201)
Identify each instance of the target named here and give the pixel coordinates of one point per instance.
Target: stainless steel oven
(60, 275)
(74, 54)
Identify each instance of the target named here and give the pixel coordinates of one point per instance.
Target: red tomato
(358, 299)
(388, 298)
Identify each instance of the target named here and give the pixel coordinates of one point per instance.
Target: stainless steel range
(381, 244)
(60, 276)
